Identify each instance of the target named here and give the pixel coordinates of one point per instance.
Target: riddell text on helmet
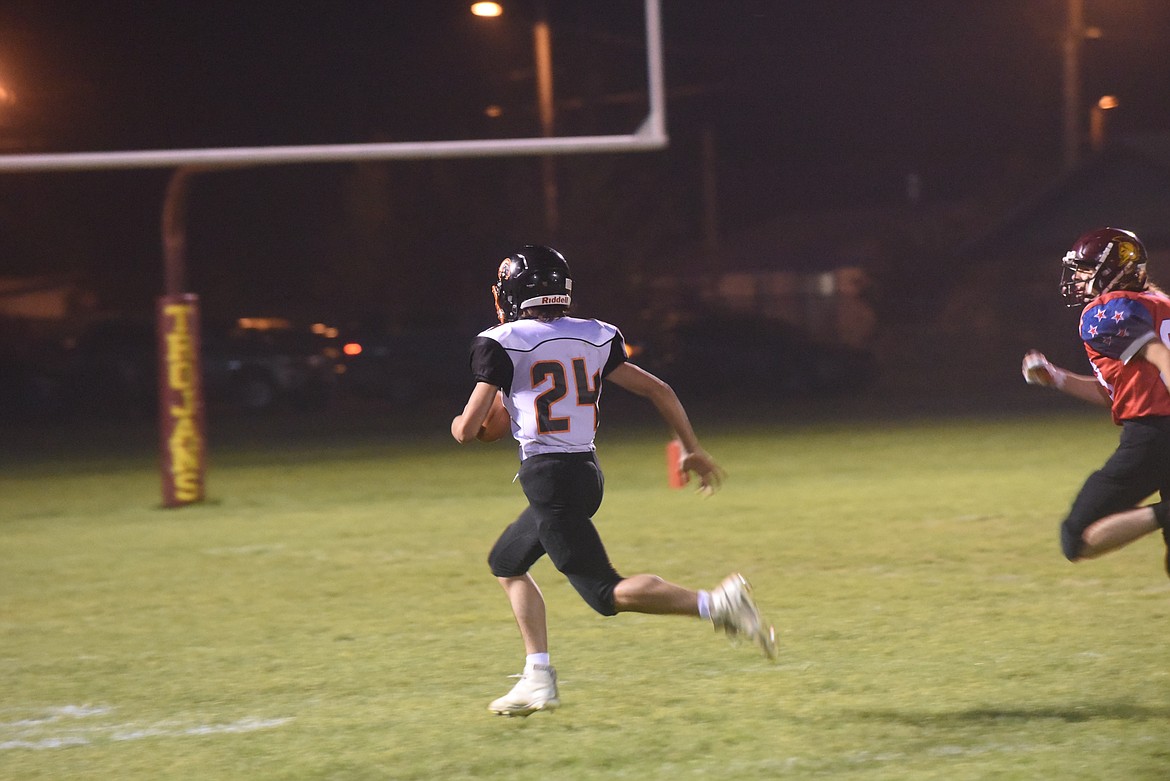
(547, 300)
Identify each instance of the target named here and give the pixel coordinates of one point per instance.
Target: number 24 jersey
(551, 374)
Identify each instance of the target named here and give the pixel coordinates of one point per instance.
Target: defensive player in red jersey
(1125, 325)
(547, 369)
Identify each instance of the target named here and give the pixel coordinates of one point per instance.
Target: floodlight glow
(487, 9)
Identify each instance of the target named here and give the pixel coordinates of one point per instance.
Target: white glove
(1038, 371)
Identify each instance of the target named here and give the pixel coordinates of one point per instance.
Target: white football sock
(705, 605)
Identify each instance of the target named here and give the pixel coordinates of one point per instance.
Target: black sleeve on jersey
(617, 354)
(490, 363)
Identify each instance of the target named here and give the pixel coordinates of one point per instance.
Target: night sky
(810, 105)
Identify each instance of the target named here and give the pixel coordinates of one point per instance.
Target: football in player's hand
(497, 424)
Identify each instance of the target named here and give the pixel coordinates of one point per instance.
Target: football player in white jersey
(547, 370)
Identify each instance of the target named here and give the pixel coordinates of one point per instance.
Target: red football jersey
(1115, 327)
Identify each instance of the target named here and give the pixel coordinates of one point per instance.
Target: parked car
(259, 363)
(406, 365)
(251, 364)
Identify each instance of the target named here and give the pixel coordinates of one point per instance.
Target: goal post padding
(182, 423)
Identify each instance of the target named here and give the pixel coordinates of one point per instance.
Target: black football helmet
(531, 276)
(1101, 261)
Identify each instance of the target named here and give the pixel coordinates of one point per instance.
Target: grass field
(327, 614)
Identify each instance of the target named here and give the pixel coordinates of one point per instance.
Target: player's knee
(500, 567)
(1071, 541)
(597, 594)
(1162, 513)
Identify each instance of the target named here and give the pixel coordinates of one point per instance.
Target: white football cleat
(734, 611)
(536, 690)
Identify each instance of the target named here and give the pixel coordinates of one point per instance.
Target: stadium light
(546, 105)
(486, 9)
(1076, 32)
(1097, 120)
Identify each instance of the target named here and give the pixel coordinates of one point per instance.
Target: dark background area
(786, 107)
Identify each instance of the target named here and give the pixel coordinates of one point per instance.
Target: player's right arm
(1038, 371)
(467, 424)
(493, 371)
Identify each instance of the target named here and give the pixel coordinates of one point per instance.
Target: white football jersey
(551, 374)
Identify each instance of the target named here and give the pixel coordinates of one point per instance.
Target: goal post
(182, 435)
(649, 136)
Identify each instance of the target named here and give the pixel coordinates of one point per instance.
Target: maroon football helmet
(1101, 261)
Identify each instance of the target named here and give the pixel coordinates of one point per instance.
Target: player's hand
(1038, 371)
(709, 473)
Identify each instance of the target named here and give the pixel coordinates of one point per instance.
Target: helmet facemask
(528, 278)
(1075, 287)
(506, 311)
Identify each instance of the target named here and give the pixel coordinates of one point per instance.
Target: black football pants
(1138, 468)
(564, 490)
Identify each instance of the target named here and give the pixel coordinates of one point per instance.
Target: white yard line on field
(62, 727)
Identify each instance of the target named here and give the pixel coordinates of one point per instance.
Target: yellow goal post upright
(182, 432)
